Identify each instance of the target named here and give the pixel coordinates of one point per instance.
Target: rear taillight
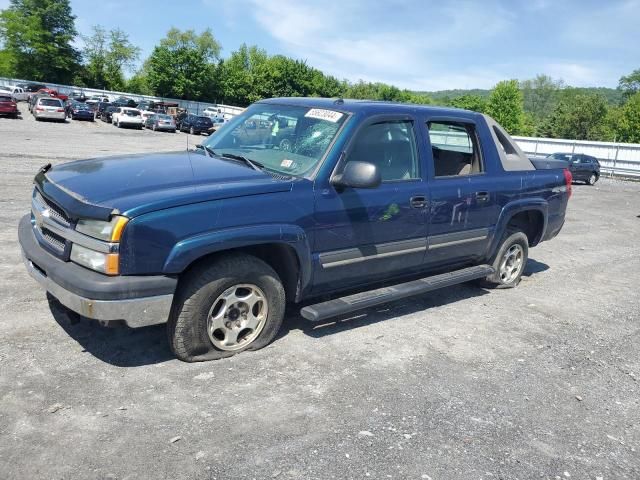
(60, 110)
(568, 178)
(39, 109)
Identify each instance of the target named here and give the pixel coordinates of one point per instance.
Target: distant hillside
(613, 96)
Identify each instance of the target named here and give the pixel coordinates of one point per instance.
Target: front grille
(54, 210)
(56, 241)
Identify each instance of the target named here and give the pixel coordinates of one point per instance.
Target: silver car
(49, 108)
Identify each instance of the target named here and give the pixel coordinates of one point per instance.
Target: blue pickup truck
(338, 205)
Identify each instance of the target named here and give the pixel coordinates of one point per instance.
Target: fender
(190, 249)
(513, 208)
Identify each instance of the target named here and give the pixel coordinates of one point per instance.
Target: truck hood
(136, 184)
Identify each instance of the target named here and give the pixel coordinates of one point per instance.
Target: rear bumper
(51, 115)
(138, 300)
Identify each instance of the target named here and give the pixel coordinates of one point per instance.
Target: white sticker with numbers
(321, 114)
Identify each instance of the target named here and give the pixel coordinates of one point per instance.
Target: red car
(8, 106)
(54, 93)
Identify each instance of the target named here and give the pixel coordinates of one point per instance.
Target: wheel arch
(530, 216)
(284, 248)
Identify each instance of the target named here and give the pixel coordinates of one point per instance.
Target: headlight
(107, 231)
(100, 262)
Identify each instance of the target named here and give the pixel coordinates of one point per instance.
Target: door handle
(482, 196)
(418, 202)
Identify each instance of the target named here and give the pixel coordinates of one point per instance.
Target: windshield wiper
(252, 163)
(207, 151)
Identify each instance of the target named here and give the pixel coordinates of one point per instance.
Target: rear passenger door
(463, 203)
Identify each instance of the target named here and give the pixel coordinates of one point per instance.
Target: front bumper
(138, 300)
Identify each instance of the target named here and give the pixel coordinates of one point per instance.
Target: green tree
(107, 54)
(474, 103)
(6, 64)
(38, 35)
(630, 84)
(184, 65)
(95, 54)
(540, 95)
(578, 116)
(505, 106)
(139, 83)
(626, 121)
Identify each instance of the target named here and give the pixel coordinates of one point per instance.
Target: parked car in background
(82, 111)
(102, 106)
(8, 106)
(53, 93)
(96, 99)
(161, 121)
(195, 124)
(212, 112)
(125, 102)
(217, 123)
(145, 114)
(106, 115)
(31, 87)
(16, 92)
(78, 96)
(127, 117)
(33, 99)
(584, 168)
(49, 108)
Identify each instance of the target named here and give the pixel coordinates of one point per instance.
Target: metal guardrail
(191, 106)
(615, 158)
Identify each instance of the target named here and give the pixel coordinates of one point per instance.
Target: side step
(352, 303)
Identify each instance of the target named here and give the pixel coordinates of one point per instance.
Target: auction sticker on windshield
(321, 114)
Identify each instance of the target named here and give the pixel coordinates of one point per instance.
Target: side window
(455, 149)
(391, 146)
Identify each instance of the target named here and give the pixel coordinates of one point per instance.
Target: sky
(416, 44)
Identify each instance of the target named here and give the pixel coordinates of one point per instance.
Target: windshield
(286, 139)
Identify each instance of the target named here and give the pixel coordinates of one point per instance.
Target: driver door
(364, 234)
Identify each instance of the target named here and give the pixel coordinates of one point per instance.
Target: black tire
(510, 239)
(192, 131)
(200, 289)
(593, 178)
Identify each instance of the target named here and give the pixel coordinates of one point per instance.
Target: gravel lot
(536, 382)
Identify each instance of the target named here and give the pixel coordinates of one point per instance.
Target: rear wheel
(509, 261)
(192, 131)
(236, 303)
(285, 145)
(593, 178)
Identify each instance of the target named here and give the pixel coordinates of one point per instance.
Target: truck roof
(369, 106)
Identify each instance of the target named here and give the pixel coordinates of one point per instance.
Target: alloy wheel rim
(512, 263)
(237, 317)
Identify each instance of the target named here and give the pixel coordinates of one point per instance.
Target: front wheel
(234, 304)
(509, 261)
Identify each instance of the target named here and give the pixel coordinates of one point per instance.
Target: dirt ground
(536, 382)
